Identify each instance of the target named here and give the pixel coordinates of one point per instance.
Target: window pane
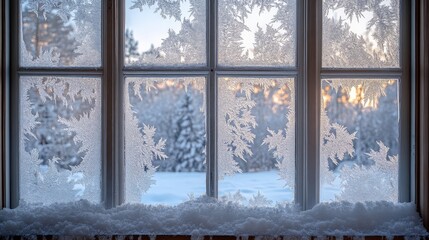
(165, 139)
(257, 33)
(60, 33)
(165, 33)
(60, 139)
(359, 140)
(256, 141)
(360, 33)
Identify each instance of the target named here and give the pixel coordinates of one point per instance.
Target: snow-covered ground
(174, 188)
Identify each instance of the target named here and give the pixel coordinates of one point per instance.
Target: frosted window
(60, 33)
(359, 140)
(257, 33)
(256, 141)
(360, 33)
(165, 139)
(165, 33)
(60, 139)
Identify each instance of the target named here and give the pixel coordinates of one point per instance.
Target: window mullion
(406, 155)
(111, 143)
(12, 188)
(311, 82)
(211, 102)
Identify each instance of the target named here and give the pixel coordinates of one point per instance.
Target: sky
(149, 27)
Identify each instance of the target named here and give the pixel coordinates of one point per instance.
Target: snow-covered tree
(131, 46)
(190, 139)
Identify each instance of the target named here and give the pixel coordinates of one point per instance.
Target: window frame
(308, 73)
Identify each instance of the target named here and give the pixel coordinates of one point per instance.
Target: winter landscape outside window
(190, 70)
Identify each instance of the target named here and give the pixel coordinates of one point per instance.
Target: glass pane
(257, 33)
(165, 139)
(359, 140)
(361, 34)
(256, 141)
(165, 33)
(60, 33)
(60, 139)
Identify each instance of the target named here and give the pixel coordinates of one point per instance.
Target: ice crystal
(60, 127)
(142, 149)
(257, 33)
(374, 183)
(236, 198)
(184, 45)
(72, 35)
(259, 200)
(361, 33)
(237, 124)
(166, 8)
(336, 142)
(282, 143)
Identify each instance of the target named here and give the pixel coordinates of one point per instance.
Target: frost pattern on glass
(257, 33)
(165, 33)
(255, 200)
(359, 140)
(360, 33)
(60, 139)
(60, 33)
(164, 132)
(256, 132)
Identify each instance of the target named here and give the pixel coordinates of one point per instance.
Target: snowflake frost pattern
(373, 179)
(268, 41)
(184, 45)
(283, 144)
(378, 182)
(61, 138)
(237, 122)
(141, 147)
(58, 33)
(361, 33)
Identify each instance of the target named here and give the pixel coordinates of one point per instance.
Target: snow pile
(206, 216)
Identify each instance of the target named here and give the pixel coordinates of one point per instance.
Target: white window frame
(307, 73)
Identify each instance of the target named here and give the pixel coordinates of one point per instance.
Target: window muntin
(165, 139)
(60, 33)
(268, 74)
(256, 139)
(60, 139)
(165, 33)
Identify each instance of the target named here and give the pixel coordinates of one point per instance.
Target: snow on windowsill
(206, 216)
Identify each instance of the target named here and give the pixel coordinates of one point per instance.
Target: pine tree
(190, 139)
(131, 46)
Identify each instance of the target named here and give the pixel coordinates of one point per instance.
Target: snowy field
(174, 188)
